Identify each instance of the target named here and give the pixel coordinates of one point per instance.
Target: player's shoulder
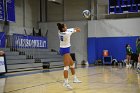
(70, 29)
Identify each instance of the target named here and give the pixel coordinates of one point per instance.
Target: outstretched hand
(77, 29)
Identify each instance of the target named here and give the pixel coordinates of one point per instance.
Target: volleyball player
(64, 36)
(138, 53)
(128, 55)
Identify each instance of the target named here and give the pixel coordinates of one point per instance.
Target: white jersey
(65, 37)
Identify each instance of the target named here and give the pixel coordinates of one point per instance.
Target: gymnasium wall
(27, 16)
(112, 35)
(97, 35)
(70, 10)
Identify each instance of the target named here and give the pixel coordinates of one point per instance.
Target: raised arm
(77, 29)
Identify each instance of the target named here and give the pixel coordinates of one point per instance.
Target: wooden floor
(97, 79)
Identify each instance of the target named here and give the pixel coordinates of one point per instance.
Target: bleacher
(26, 59)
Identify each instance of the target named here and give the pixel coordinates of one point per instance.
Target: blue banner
(22, 41)
(10, 7)
(2, 17)
(2, 39)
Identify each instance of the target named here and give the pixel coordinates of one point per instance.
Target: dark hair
(126, 45)
(60, 26)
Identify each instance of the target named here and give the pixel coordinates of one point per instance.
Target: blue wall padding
(91, 45)
(114, 45)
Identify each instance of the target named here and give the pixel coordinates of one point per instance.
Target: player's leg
(130, 61)
(138, 65)
(72, 68)
(127, 61)
(66, 68)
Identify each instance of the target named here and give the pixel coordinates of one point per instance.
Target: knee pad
(66, 68)
(73, 66)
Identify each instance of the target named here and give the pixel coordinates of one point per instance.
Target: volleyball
(86, 14)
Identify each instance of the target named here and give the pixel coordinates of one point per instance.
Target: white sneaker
(76, 80)
(138, 70)
(127, 66)
(130, 65)
(67, 85)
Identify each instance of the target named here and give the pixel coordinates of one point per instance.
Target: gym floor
(95, 79)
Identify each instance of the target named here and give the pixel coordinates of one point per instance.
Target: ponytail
(60, 26)
(126, 45)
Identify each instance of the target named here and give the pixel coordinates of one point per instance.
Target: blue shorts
(64, 50)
